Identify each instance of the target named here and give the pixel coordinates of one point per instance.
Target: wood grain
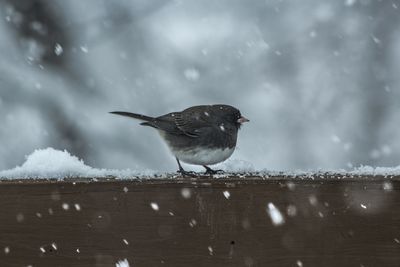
(349, 222)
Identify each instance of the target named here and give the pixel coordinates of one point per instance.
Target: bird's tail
(135, 116)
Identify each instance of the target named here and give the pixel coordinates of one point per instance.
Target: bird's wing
(190, 123)
(193, 122)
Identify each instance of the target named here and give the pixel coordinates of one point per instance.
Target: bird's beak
(242, 120)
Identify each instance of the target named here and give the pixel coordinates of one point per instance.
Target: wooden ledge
(326, 221)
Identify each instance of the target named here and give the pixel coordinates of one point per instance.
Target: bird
(199, 135)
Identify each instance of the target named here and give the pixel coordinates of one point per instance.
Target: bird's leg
(183, 172)
(211, 171)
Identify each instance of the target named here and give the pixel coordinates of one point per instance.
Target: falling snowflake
(154, 206)
(58, 49)
(191, 74)
(77, 206)
(186, 193)
(226, 194)
(84, 49)
(275, 215)
(123, 263)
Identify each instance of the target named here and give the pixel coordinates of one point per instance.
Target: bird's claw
(187, 173)
(210, 171)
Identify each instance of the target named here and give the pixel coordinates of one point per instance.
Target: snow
(275, 215)
(20, 217)
(227, 195)
(313, 200)
(50, 163)
(58, 49)
(192, 223)
(122, 263)
(186, 193)
(65, 206)
(154, 206)
(84, 49)
(210, 250)
(191, 74)
(56, 164)
(350, 2)
(291, 210)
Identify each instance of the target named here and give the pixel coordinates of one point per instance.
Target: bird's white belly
(204, 156)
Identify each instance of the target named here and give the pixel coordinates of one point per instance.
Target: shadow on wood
(201, 222)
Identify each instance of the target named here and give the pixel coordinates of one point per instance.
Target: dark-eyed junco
(200, 135)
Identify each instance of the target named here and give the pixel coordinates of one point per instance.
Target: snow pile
(236, 166)
(368, 170)
(51, 163)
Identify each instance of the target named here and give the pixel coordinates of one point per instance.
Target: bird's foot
(187, 173)
(211, 171)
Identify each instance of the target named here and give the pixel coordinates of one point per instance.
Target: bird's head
(230, 114)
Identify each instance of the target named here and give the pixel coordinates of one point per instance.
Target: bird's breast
(203, 156)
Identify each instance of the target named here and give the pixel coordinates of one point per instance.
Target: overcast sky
(319, 80)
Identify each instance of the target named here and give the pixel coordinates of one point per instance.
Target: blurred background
(319, 80)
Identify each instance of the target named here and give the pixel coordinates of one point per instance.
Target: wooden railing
(325, 220)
